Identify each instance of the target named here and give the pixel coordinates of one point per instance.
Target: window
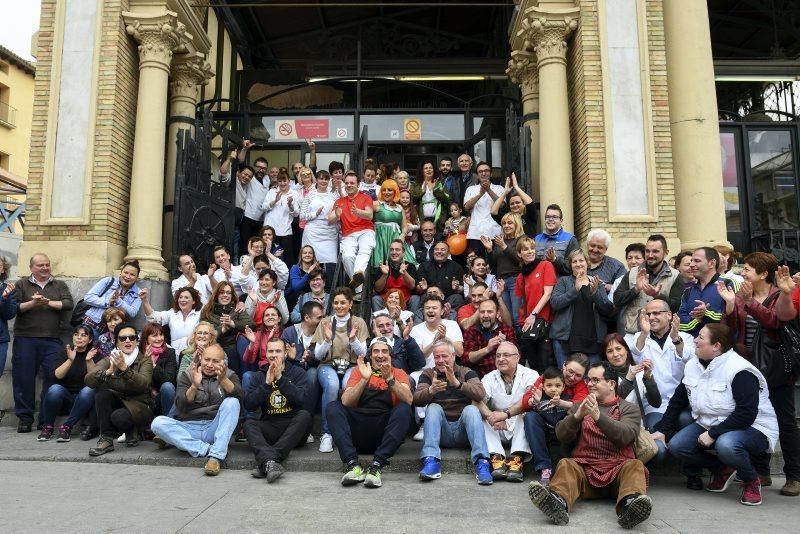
(4, 161)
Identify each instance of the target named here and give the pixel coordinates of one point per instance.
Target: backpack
(80, 309)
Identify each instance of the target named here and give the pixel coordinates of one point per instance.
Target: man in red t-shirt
(353, 212)
(372, 416)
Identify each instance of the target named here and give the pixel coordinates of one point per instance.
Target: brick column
(158, 36)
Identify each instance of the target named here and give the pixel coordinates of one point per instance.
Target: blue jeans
(248, 382)
(59, 399)
(466, 432)
(241, 347)
(201, 438)
(166, 399)
(512, 301)
(312, 390)
(652, 419)
(3, 356)
(734, 449)
(561, 348)
(536, 433)
(329, 382)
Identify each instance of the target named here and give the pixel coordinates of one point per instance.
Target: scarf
(130, 358)
(528, 268)
(157, 352)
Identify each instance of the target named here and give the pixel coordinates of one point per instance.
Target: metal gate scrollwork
(204, 207)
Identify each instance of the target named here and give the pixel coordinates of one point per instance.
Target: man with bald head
(40, 301)
(207, 401)
(504, 388)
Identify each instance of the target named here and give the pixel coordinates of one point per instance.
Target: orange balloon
(457, 243)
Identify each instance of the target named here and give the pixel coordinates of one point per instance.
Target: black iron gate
(204, 207)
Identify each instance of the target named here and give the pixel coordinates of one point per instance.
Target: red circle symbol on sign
(285, 128)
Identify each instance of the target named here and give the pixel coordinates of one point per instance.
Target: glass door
(329, 152)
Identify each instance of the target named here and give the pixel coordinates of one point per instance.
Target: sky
(19, 19)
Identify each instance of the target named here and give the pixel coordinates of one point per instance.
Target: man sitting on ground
(208, 403)
(372, 416)
(451, 420)
(504, 388)
(604, 428)
(279, 389)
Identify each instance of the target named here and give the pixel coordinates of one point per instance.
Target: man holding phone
(208, 403)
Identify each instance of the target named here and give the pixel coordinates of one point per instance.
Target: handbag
(770, 353)
(540, 329)
(645, 447)
(80, 309)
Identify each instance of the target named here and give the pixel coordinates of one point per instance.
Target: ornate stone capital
(547, 32)
(523, 71)
(159, 36)
(189, 72)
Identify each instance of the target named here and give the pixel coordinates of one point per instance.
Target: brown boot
(212, 467)
(791, 488)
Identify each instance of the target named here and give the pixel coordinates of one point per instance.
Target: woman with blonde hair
(505, 261)
(204, 335)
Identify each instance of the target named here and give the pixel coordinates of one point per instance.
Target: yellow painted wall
(16, 141)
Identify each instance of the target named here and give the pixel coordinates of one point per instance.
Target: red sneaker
(720, 481)
(751, 493)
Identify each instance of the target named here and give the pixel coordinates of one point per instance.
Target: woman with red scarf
(165, 367)
(255, 357)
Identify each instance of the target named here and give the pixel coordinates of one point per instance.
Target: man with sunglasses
(603, 464)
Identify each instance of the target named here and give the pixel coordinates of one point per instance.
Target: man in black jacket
(423, 249)
(443, 273)
(406, 354)
(279, 390)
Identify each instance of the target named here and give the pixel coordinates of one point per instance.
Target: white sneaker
(121, 439)
(420, 435)
(310, 438)
(326, 443)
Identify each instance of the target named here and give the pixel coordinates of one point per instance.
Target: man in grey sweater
(208, 403)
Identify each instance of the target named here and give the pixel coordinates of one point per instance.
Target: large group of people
(522, 347)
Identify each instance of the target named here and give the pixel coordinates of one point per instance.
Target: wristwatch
(678, 342)
(391, 382)
(508, 413)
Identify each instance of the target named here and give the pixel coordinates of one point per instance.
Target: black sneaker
(550, 503)
(240, 437)
(357, 280)
(64, 433)
(274, 471)
(24, 426)
(88, 433)
(635, 509)
(694, 483)
(46, 434)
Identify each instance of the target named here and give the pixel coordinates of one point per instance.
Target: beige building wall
(95, 243)
(16, 99)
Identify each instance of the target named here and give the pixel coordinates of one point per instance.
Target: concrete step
(24, 447)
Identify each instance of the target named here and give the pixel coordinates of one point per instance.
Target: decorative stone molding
(547, 32)
(523, 71)
(159, 36)
(189, 73)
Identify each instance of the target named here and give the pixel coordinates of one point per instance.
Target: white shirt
(280, 215)
(369, 188)
(202, 284)
(277, 265)
(256, 191)
(324, 237)
(480, 219)
(424, 337)
(180, 327)
(668, 366)
(240, 282)
(496, 397)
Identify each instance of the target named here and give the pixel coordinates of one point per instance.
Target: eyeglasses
(572, 373)
(655, 313)
(505, 355)
(552, 217)
(131, 337)
(225, 293)
(596, 381)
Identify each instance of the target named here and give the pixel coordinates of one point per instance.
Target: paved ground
(80, 497)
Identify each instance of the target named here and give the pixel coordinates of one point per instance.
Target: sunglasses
(131, 337)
